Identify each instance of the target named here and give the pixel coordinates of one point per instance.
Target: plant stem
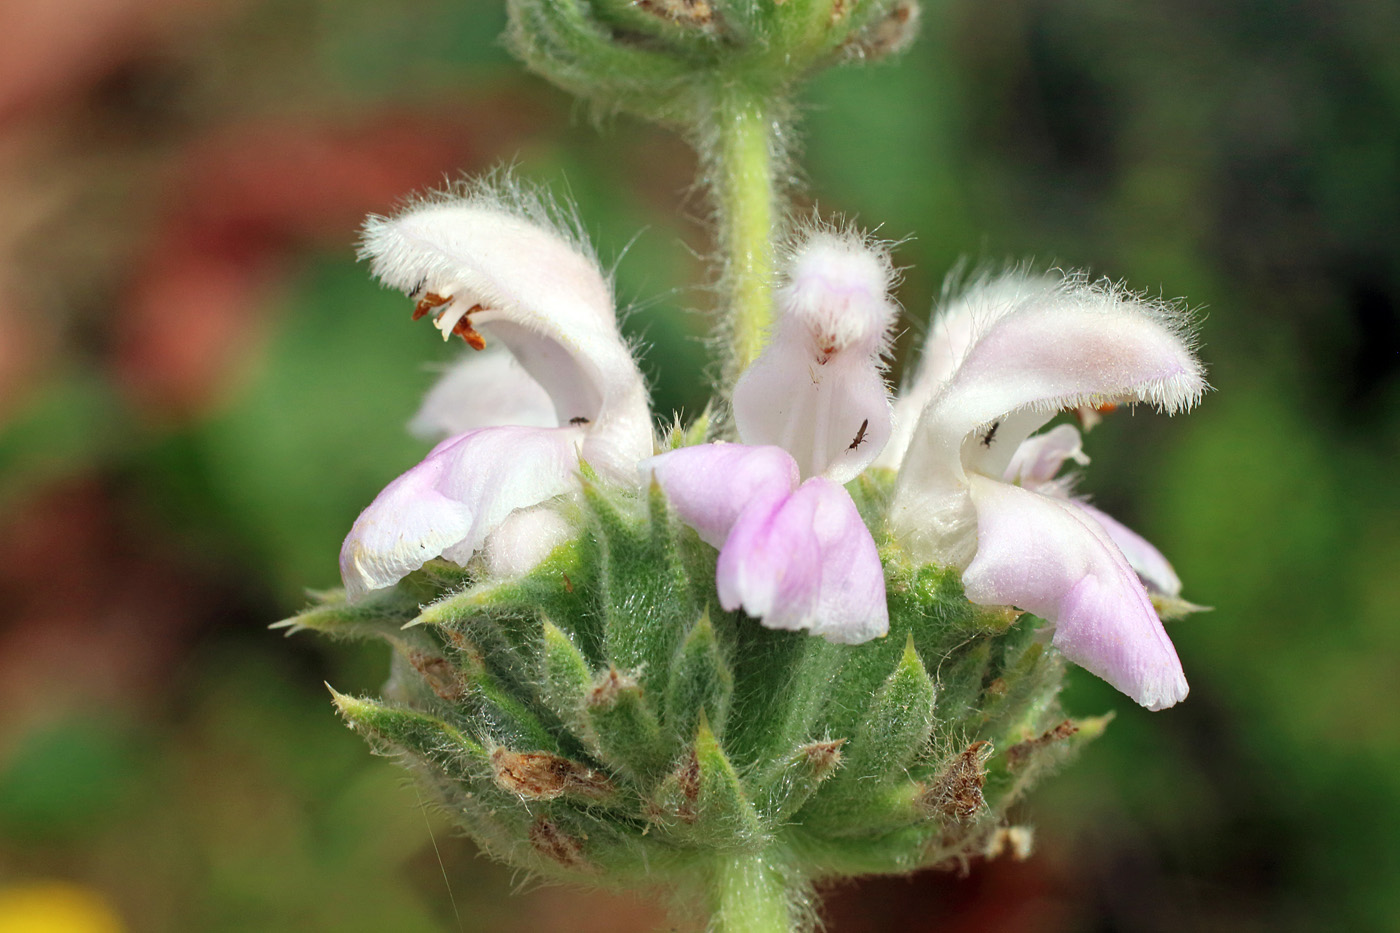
(749, 895)
(746, 139)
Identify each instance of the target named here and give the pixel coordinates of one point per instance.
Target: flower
(499, 268)
(812, 412)
(975, 493)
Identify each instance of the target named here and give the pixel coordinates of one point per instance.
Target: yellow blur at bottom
(56, 907)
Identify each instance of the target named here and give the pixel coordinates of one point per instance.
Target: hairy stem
(746, 138)
(749, 894)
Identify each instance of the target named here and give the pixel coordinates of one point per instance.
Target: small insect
(579, 419)
(991, 434)
(860, 435)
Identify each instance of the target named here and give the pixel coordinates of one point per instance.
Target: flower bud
(644, 56)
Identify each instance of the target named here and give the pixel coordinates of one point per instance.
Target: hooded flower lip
(974, 492)
(818, 389)
(794, 555)
(496, 266)
(507, 268)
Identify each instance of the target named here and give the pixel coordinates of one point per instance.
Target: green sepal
(568, 681)
(418, 734)
(378, 615)
(642, 577)
(895, 732)
(624, 732)
(701, 682)
(805, 770)
(1012, 772)
(703, 802)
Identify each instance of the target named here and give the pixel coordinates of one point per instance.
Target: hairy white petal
(818, 389)
(953, 331)
(1075, 345)
(837, 294)
(538, 291)
(524, 539)
(478, 391)
(1151, 567)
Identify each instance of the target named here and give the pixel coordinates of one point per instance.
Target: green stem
(749, 895)
(746, 156)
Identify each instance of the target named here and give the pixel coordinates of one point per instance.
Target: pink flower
(813, 412)
(975, 493)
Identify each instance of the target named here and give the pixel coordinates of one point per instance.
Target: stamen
(428, 302)
(462, 327)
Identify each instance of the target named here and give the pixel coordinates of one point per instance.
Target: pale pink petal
(482, 390)
(1149, 564)
(710, 484)
(953, 331)
(448, 504)
(806, 561)
(818, 389)
(1039, 458)
(832, 418)
(1047, 556)
(524, 539)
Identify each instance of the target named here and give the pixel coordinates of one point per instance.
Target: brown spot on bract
(1018, 754)
(439, 673)
(686, 12)
(555, 844)
(606, 692)
(544, 776)
(823, 757)
(957, 792)
(568, 584)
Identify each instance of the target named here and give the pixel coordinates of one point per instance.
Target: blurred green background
(200, 388)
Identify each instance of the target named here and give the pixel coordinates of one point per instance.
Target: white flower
(494, 270)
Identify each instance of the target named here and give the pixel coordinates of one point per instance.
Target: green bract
(603, 720)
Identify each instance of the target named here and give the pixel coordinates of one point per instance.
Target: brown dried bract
(1018, 754)
(688, 780)
(439, 673)
(606, 692)
(543, 776)
(957, 792)
(823, 757)
(555, 844)
(890, 35)
(688, 12)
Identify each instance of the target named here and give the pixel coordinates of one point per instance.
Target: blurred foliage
(1243, 155)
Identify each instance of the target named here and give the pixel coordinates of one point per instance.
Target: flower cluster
(555, 392)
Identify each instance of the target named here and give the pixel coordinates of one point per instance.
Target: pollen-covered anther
(448, 322)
